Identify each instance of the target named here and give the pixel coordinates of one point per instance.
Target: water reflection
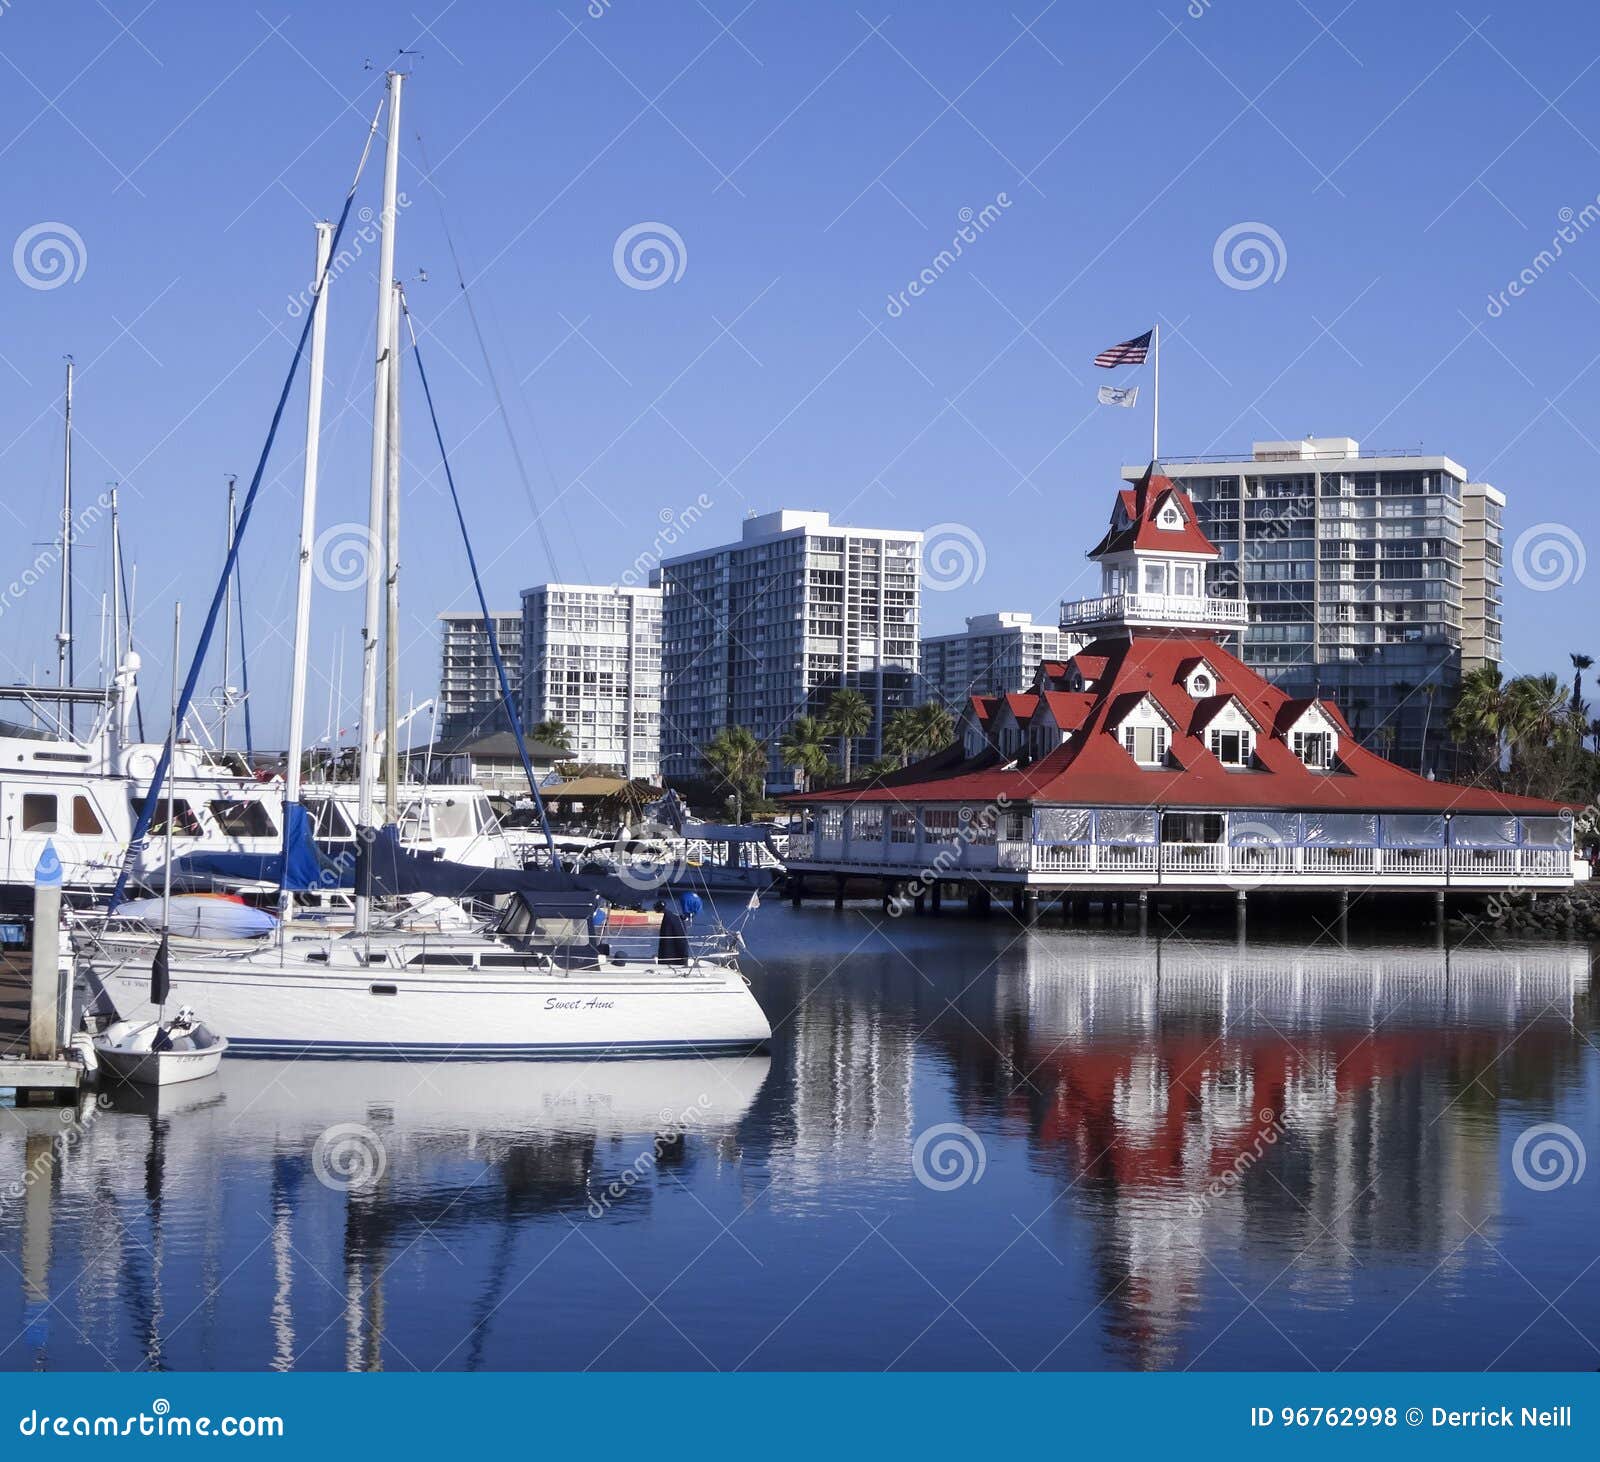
(1175, 1127)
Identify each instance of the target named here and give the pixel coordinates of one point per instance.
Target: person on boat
(673, 948)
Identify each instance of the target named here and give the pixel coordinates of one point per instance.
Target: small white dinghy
(160, 1053)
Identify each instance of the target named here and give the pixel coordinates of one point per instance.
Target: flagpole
(1155, 395)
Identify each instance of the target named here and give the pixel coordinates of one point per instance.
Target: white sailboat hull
(271, 1007)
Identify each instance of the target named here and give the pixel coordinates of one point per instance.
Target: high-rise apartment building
(1367, 577)
(996, 654)
(470, 703)
(593, 658)
(757, 632)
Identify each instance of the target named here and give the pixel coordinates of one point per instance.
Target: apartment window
(38, 812)
(1231, 748)
(1314, 748)
(1147, 745)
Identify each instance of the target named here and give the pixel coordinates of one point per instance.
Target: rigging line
(141, 828)
(477, 583)
(494, 379)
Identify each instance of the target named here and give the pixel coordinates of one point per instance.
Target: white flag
(1118, 395)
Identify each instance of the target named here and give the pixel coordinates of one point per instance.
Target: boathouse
(1154, 758)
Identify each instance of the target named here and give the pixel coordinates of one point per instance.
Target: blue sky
(812, 159)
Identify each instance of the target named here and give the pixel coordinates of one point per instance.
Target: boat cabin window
(328, 819)
(39, 812)
(84, 818)
(243, 819)
(413, 826)
(453, 819)
(184, 823)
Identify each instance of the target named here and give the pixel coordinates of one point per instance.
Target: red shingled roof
(1094, 770)
(1140, 503)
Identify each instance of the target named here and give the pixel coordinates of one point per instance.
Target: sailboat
(538, 984)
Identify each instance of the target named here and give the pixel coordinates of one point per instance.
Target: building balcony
(1154, 609)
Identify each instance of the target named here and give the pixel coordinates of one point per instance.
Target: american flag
(1130, 352)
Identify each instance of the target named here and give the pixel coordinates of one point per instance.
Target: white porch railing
(1339, 860)
(1165, 608)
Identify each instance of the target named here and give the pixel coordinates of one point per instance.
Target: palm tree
(937, 725)
(801, 747)
(848, 716)
(739, 759)
(903, 735)
(1534, 706)
(552, 732)
(1430, 693)
(1580, 663)
(1479, 714)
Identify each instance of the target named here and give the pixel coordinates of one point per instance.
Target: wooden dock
(31, 1080)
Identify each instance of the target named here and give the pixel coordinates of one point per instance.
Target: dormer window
(1314, 748)
(1170, 517)
(1231, 748)
(1147, 745)
(1201, 684)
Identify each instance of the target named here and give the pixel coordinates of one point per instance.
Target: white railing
(1187, 608)
(1127, 858)
(1487, 862)
(1339, 860)
(1063, 857)
(1253, 861)
(1194, 858)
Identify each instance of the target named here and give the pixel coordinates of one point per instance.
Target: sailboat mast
(64, 665)
(308, 531)
(227, 621)
(375, 504)
(391, 557)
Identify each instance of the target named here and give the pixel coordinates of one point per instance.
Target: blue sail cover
(397, 872)
(304, 868)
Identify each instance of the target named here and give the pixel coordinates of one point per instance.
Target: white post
(227, 623)
(321, 282)
(376, 476)
(1155, 395)
(45, 997)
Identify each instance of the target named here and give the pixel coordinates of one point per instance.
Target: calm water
(1159, 1156)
